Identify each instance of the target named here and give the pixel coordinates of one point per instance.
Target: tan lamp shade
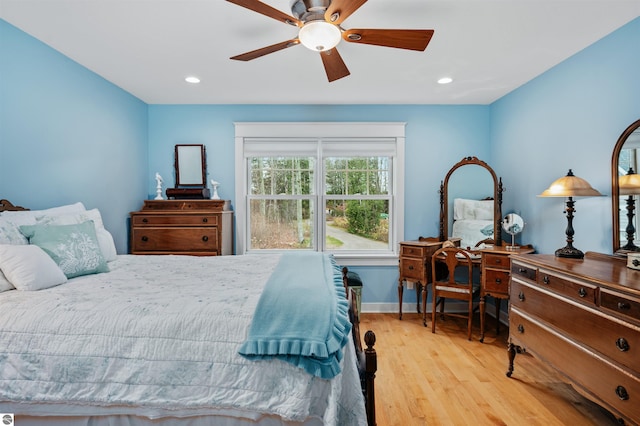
(629, 184)
(570, 186)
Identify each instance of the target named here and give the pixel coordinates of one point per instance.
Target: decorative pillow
(105, 239)
(29, 268)
(5, 285)
(10, 232)
(73, 247)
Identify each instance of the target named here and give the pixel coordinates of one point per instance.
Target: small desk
(415, 266)
(496, 269)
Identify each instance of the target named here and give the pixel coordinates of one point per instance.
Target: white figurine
(215, 185)
(158, 187)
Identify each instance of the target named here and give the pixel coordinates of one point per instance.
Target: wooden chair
(463, 288)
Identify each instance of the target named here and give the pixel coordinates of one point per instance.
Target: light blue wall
(437, 137)
(68, 135)
(569, 117)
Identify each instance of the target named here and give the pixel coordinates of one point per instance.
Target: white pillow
(29, 268)
(472, 209)
(105, 239)
(21, 215)
(5, 285)
(10, 231)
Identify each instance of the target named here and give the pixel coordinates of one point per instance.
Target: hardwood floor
(444, 379)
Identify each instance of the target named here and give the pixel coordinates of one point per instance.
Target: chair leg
(470, 319)
(434, 306)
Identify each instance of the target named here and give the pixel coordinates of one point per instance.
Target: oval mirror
(513, 224)
(624, 164)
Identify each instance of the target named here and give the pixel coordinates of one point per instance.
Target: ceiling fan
(319, 22)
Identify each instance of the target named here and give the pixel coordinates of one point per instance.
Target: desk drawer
(526, 272)
(617, 388)
(413, 251)
(497, 261)
(614, 339)
(496, 281)
(174, 239)
(579, 291)
(413, 269)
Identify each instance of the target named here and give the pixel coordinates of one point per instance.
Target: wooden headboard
(6, 205)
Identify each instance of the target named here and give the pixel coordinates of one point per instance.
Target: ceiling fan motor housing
(309, 10)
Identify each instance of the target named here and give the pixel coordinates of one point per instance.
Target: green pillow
(74, 248)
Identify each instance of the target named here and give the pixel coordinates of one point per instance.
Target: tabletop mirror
(191, 166)
(513, 224)
(625, 190)
(471, 204)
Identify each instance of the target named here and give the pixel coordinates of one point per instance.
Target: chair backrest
(453, 258)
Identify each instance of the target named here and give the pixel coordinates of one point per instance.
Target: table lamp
(629, 184)
(570, 186)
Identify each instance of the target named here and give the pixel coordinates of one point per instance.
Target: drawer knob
(623, 306)
(144, 238)
(145, 220)
(635, 262)
(205, 238)
(205, 220)
(582, 292)
(622, 344)
(520, 328)
(546, 279)
(521, 296)
(522, 270)
(498, 281)
(498, 260)
(622, 393)
(410, 267)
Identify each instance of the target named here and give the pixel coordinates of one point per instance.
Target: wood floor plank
(443, 379)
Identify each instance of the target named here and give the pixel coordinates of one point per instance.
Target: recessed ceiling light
(445, 80)
(192, 79)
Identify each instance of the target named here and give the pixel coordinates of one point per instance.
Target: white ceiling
(148, 47)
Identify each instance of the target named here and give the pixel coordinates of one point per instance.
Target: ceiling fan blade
(334, 65)
(343, 9)
(266, 50)
(401, 39)
(265, 9)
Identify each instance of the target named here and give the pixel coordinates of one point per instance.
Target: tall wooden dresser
(192, 227)
(581, 316)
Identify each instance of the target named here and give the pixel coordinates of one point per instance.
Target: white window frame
(275, 135)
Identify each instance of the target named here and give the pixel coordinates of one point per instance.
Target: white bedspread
(158, 336)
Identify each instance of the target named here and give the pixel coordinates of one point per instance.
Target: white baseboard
(407, 308)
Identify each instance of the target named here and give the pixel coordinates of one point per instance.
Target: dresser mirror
(471, 203)
(191, 166)
(626, 156)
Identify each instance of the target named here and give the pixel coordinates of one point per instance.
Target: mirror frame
(615, 192)
(203, 165)
(497, 199)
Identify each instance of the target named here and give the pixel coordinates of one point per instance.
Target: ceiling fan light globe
(319, 36)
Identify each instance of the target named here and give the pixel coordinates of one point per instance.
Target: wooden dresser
(581, 316)
(495, 271)
(193, 227)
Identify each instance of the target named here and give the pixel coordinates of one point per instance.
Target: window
(333, 187)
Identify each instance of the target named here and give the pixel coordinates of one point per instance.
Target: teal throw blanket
(302, 315)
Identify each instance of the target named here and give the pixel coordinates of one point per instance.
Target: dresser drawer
(413, 251)
(412, 268)
(174, 239)
(616, 387)
(496, 281)
(496, 261)
(620, 304)
(614, 339)
(576, 290)
(179, 220)
(523, 271)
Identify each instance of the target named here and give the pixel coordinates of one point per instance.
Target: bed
(472, 221)
(172, 340)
